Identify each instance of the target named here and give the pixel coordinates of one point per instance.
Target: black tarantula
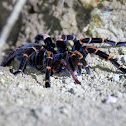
(46, 59)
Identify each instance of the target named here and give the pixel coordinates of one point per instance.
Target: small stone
(116, 77)
(79, 78)
(52, 79)
(20, 102)
(110, 100)
(1, 73)
(2, 80)
(64, 110)
(124, 58)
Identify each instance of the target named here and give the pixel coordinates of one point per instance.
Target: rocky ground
(100, 100)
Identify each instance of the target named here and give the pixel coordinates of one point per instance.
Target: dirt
(100, 100)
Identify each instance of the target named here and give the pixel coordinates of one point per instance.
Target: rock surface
(100, 100)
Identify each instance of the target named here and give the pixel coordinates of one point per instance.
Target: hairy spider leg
(85, 65)
(39, 56)
(90, 49)
(70, 71)
(9, 58)
(71, 59)
(49, 60)
(57, 66)
(68, 37)
(101, 40)
(83, 61)
(22, 65)
(74, 61)
(38, 38)
(47, 40)
(78, 46)
(64, 60)
(23, 55)
(62, 47)
(50, 45)
(62, 41)
(32, 50)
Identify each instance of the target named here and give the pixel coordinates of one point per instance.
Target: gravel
(100, 100)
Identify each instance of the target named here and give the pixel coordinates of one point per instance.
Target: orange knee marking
(120, 66)
(109, 57)
(103, 40)
(49, 55)
(48, 68)
(91, 48)
(78, 53)
(25, 55)
(85, 38)
(90, 40)
(96, 51)
(45, 36)
(42, 47)
(47, 80)
(59, 39)
(79, 64)
(34, 49)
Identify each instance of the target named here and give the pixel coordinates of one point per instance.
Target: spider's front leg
(25, 56)
(64, 63)
(61, 44)
(62, 60)
(62, 41)
(48, 61)
(90, 49)
(47, 40)
(76, 59)
(100, 40)
(23, 60)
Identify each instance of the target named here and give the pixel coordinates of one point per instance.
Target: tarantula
(46, 59)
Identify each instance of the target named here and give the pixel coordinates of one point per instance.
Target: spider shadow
(105, 69)
(33, 72)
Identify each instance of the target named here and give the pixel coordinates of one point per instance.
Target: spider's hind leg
(22, 65)
(9, 58)
(101, 54)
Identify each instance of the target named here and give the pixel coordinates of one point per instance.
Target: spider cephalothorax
(50, 61)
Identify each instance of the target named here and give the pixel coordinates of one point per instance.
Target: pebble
(2, 80)
(124, 58)
(1, 73)
(116, 77)
(52, 79)
(79, 78)
(110, 99)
